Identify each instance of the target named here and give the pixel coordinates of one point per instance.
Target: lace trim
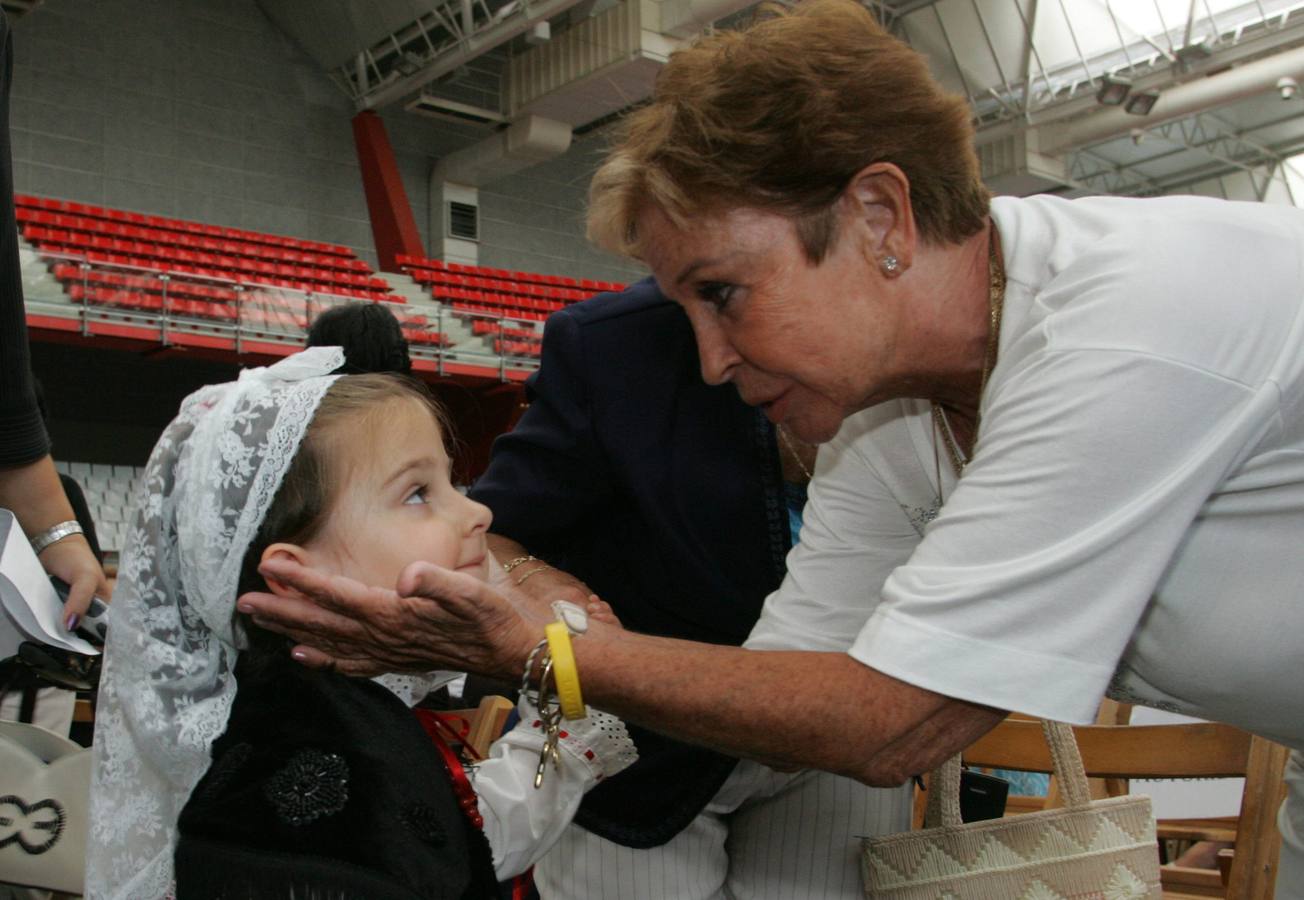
(168, 681)
(599, 742)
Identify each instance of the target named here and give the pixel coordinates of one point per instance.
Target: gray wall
(534, 221)
(202, 109)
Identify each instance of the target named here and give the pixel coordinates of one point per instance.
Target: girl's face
(397, 505)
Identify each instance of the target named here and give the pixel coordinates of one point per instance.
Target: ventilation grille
(451, 110)
(463, 221)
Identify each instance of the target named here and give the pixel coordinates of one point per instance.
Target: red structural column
(392, 225)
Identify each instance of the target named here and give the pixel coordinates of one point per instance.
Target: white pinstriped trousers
(764, 836)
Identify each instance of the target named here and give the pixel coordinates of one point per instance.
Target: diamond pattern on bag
(997, 855)
(1105, 853)
(937, 863)
(1110, 836)
(1125, 885)
(1039, 891)
(1137, 828)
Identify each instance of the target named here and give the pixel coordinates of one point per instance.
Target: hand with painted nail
(72, 560)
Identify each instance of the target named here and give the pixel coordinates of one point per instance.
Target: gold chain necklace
(787, 442)
(995, 308)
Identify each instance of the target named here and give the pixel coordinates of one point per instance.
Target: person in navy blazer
(635, 480)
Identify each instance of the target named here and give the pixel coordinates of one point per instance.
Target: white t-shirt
(1134, 511)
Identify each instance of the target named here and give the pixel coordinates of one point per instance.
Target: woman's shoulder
(1207, 283)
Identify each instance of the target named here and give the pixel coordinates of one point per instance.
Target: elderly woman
(1065, 439)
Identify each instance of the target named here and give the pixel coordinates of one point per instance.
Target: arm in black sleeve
(22, 434)
(549, 473)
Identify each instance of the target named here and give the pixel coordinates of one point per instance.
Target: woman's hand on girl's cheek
(473, 627)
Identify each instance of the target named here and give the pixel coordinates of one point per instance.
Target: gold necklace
(787, 442)
(995, 309)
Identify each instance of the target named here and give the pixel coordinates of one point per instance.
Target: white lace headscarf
(168, 679)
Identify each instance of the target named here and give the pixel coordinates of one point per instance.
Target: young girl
(222, 768)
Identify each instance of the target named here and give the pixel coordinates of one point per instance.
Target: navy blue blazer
(663, 494)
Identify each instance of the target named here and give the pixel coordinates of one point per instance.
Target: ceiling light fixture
(1140, 104)
(1113, 90)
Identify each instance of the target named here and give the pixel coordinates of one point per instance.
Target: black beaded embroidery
(422, 821)
(312, 784)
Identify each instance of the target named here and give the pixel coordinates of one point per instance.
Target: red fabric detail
(435, 727)
(522, 883)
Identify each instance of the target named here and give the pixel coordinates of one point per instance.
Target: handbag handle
(944, 781)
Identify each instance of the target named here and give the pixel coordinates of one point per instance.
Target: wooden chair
(1110, 712)
(1203, 750)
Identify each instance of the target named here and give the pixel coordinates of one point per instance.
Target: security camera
(1287, 87)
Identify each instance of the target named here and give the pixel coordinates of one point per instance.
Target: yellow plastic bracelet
(564, 671)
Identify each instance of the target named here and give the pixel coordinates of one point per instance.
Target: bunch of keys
(550, 716)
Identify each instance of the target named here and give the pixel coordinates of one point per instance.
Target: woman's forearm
(787, 709)
(35, 496)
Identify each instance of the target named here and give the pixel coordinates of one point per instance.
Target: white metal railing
(175, 302)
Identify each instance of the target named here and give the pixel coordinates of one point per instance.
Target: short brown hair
(780, 116)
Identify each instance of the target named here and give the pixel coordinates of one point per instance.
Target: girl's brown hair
(781, 116)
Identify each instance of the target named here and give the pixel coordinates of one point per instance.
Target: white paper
(1185, 798)
(30, 602)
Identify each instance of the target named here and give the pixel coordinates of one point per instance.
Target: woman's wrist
(35, 495)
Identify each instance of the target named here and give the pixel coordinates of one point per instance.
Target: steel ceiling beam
(1029, 22)
(392, 85)
(1226, 149)
(1183, 100)
(1092, 170)
(1268, 41)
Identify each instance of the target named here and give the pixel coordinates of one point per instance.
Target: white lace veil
(168, 681)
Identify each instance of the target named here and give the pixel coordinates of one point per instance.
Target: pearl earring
(891, 265)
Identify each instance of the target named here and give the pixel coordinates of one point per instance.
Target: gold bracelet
(521, 580)
(508, 566)
(564, 671)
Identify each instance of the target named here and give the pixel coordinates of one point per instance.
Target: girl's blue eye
(416, 498)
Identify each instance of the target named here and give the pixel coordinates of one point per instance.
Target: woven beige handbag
(1089, 850)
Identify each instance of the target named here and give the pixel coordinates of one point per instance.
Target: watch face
(575, 619)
